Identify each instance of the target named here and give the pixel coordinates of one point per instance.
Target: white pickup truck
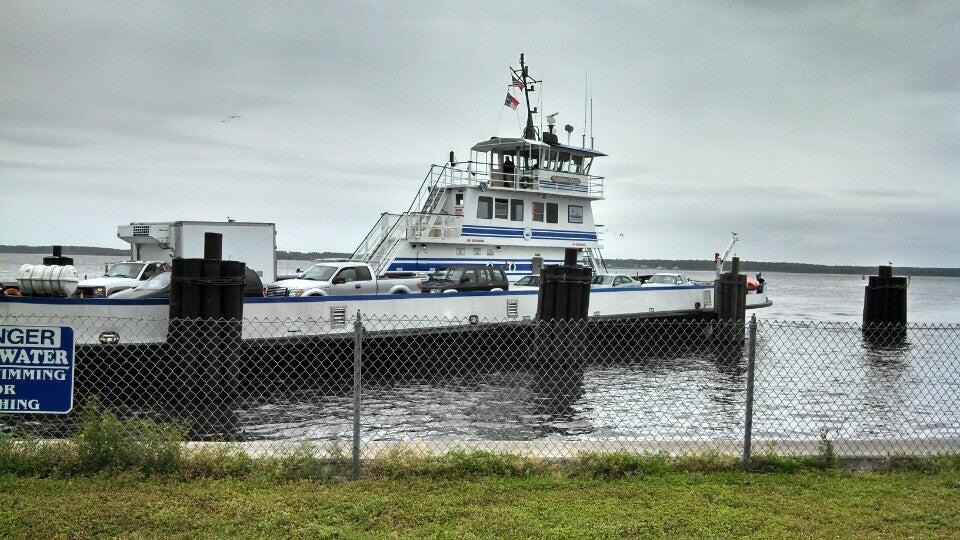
(338, 278)
(119, 277)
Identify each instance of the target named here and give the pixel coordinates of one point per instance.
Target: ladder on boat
(385, 239)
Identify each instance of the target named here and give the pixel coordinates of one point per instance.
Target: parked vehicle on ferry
(611, 280)
(466, 279)
(664, 279)
(159, 287)
(531, 282)
(119, 277)
(338, 278)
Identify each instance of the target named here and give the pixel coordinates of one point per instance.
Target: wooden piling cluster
(564, 290)
(885, 302)
(206, 314)
(730, 302)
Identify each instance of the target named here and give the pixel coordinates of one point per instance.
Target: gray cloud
(820, 131)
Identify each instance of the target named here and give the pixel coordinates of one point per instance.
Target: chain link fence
(548, 389)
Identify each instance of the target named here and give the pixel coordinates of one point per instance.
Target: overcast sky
(824, 133)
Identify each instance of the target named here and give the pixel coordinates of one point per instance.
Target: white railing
(381, 234)
(474, 174)
(422, 226)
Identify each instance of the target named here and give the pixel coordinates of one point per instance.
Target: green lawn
(721, 504)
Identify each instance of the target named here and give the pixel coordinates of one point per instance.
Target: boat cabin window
(574, 213)
(563, 164)
(500, 208)
(458, 199)
(553, 211)
(484, 207)
(576, 164)
(516, 209)
(537, 208)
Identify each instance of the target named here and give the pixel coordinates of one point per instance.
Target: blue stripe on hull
(307, 299)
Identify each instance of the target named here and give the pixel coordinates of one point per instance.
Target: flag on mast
(518, 83)
(511, 101)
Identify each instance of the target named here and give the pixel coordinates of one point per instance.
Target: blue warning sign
(36, 369)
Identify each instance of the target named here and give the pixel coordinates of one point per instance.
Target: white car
(664, 279)
(340, 278)
(603, 281)
(120, 277)
(526, 283)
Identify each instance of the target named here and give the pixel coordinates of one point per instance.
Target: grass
(136, 478)
(714, 504)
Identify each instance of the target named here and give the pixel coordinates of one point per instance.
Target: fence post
(357, 361)
(751, 364)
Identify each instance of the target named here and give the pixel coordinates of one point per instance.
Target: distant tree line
(67, 250)
(797, 268)
(650, 264)
(310, 255)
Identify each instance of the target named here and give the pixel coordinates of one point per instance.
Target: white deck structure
(476, 212)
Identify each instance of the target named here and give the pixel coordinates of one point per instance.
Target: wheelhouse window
(574, 213)
(500, 208)
(538, 210)
(516, 209)
(576, 165)
(553, 212)
(485, 207)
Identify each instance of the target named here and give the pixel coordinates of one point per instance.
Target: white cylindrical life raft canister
(37, 279)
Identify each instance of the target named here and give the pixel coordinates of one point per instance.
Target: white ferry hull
(145, 321)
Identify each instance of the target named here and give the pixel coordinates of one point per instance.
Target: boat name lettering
(565, 180)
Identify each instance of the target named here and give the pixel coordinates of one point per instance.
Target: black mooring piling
(57, 259)
(564, 298)
(564, 290)
(885, 305)
(206, 312)
(731, 302)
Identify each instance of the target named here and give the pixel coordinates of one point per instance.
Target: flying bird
(229, 118)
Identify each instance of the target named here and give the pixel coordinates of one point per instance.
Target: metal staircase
(382, 243)
(595, 260)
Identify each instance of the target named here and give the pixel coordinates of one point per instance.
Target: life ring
(12, 291)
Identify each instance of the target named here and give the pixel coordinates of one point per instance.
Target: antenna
(591, 122)
(529, 132)
(586, 90)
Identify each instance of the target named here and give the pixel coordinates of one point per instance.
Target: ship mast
(529, 132)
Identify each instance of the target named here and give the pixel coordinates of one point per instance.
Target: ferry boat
(515, 203)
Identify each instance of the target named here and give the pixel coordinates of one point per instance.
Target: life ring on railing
(12, 291)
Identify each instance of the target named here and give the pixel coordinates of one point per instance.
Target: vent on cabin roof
(141, 230)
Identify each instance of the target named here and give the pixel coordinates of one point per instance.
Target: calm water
(810, 382)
